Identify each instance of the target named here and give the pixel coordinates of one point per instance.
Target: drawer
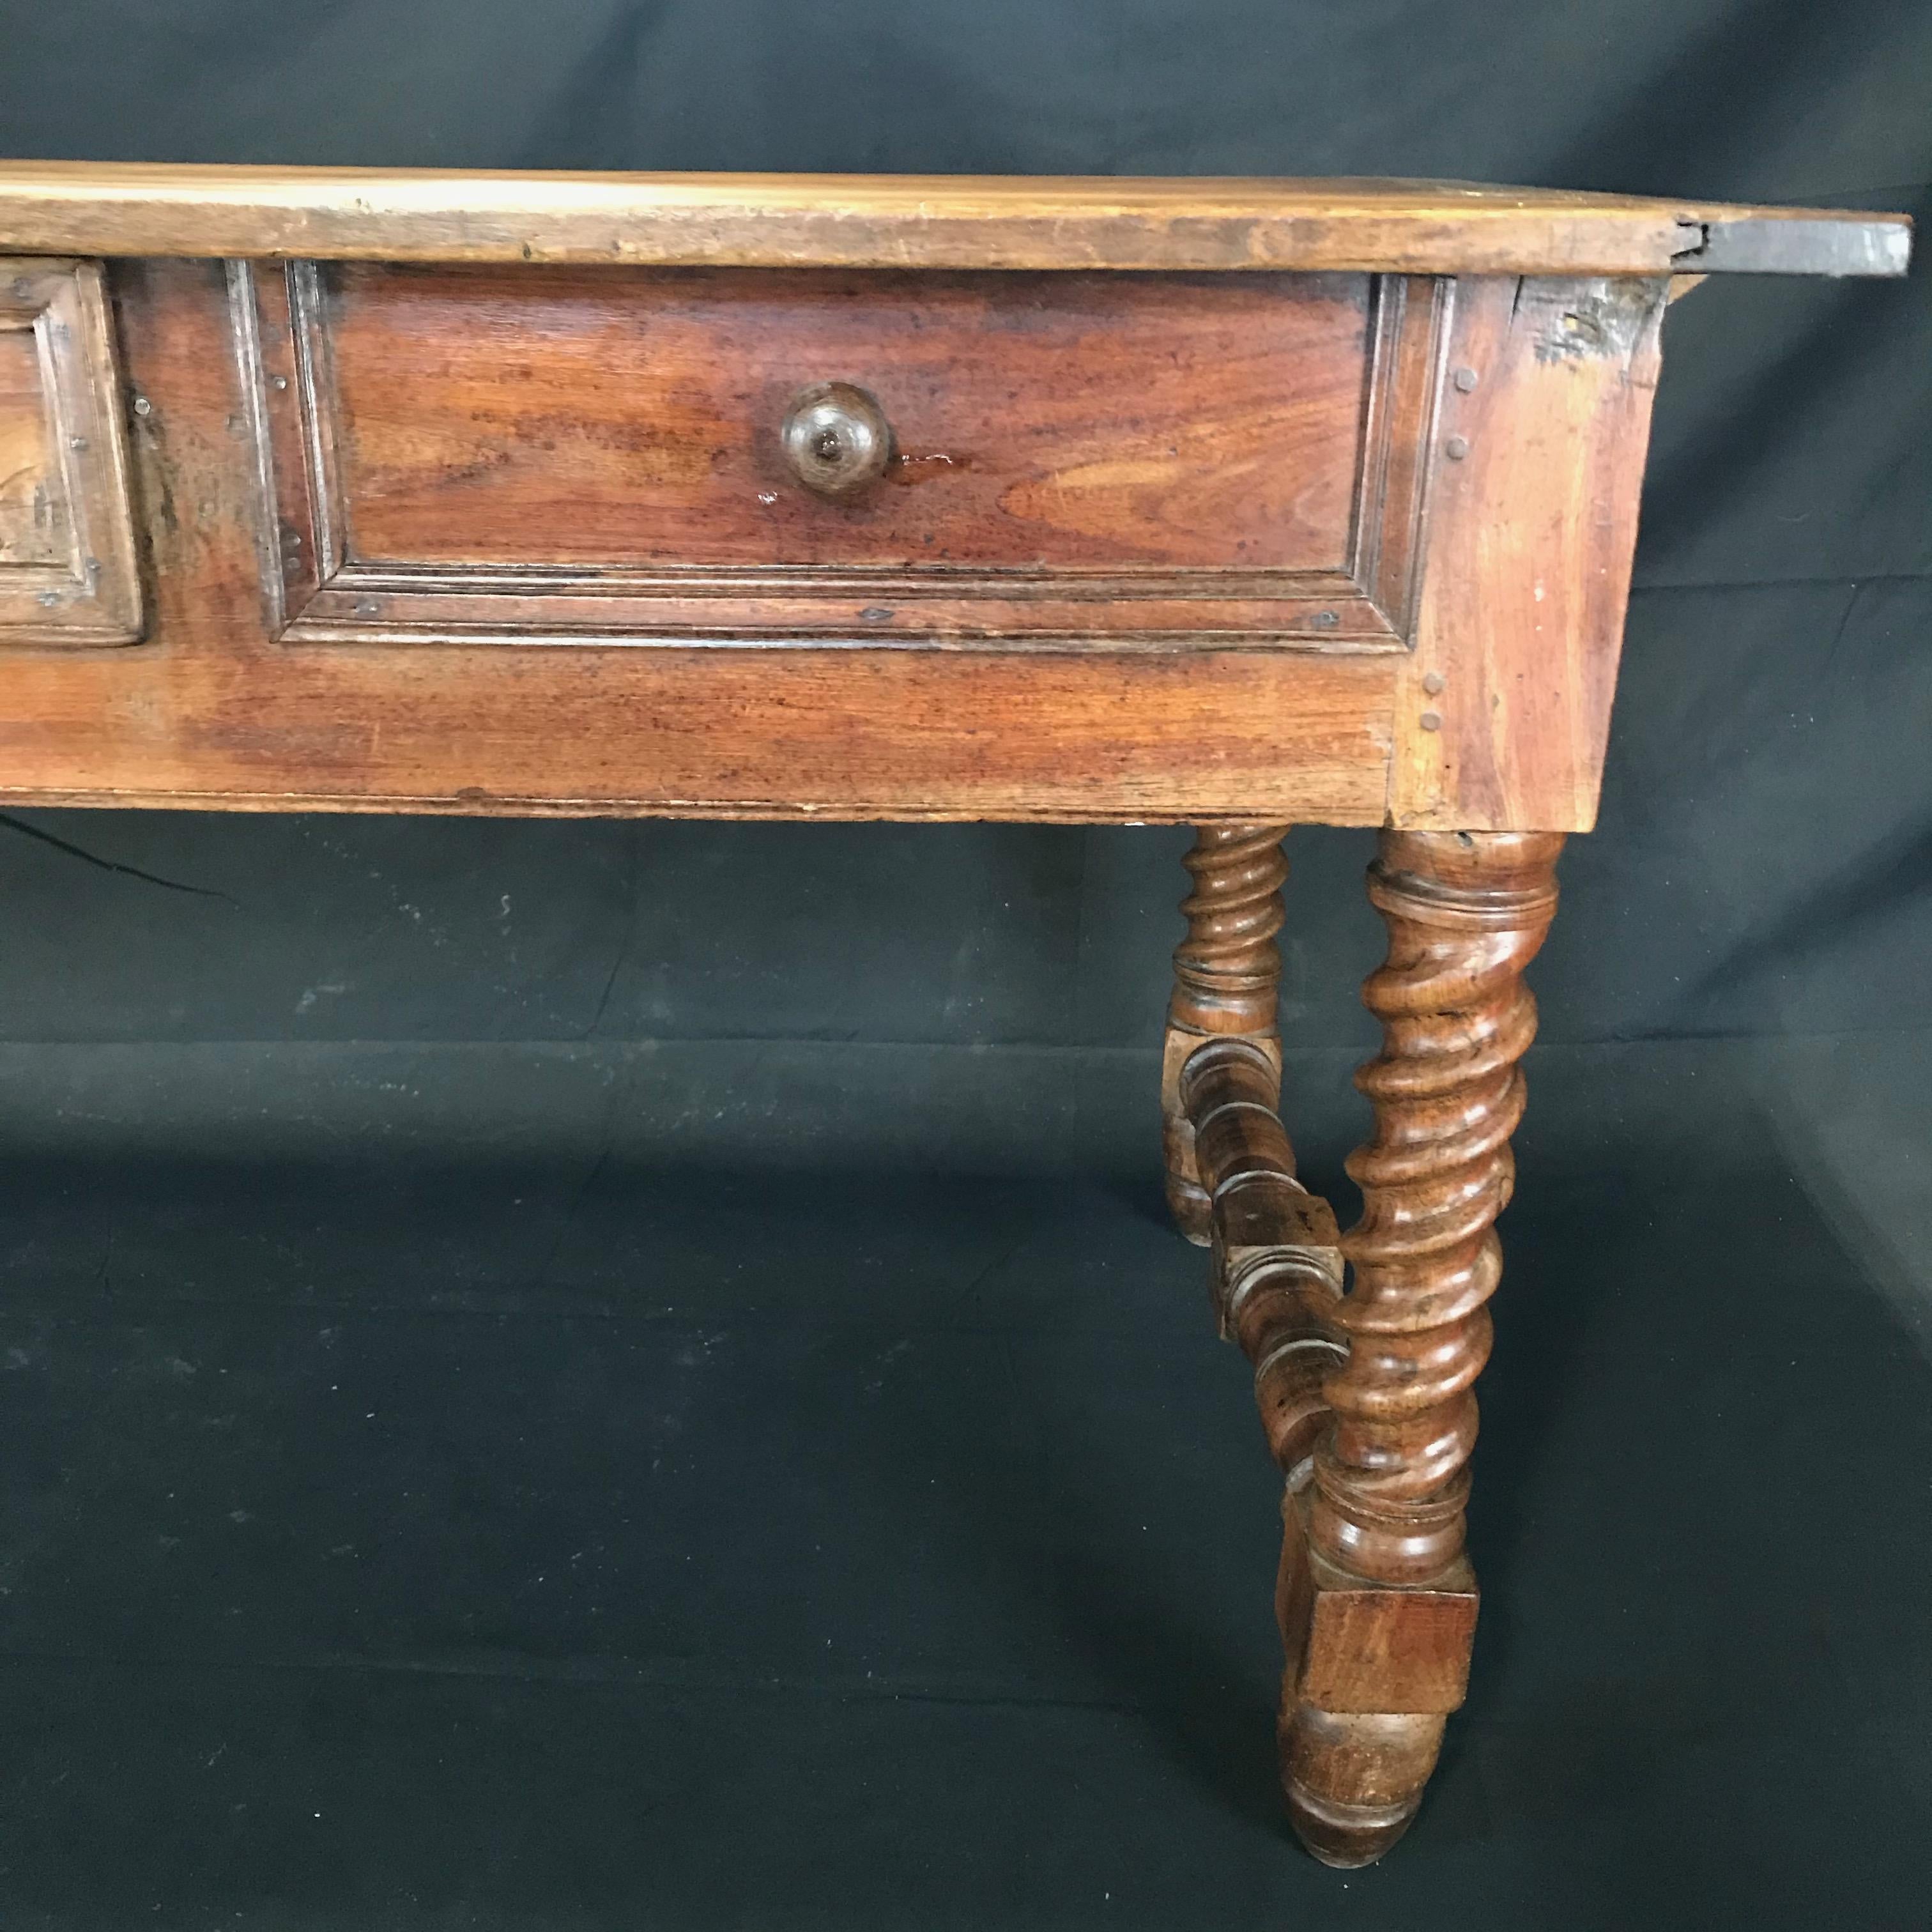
(540, 453)
(67, 568)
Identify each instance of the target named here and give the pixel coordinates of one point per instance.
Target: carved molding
(68, 571)
(321, 592)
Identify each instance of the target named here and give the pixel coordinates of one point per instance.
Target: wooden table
(1236, 502)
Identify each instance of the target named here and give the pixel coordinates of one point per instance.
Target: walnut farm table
(1232, 502)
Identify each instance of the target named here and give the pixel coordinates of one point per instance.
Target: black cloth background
(569, 1374)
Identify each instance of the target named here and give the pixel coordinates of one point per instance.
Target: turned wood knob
(837, 440)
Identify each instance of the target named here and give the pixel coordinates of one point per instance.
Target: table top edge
(1174, 224)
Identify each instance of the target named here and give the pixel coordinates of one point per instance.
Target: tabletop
(865, 497)
(924, 221)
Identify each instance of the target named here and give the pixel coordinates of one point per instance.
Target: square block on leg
(1355, 1646)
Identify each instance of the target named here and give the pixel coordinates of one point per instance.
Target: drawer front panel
(1042, 422)
(67, 570)
(553, 453)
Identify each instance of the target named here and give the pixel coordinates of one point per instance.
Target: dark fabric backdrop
(200, 1014)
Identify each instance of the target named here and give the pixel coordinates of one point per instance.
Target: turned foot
(1373, 1675)
(1227, 976)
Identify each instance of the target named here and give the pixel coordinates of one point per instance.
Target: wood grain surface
(1081, 462)
(33, 513)
(1539, 451)
(273, 671)
(1255, 549)
(904, 221)
(512, 416)
(213, 710)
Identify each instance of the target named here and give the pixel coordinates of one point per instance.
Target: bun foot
(1346, 1837)
(1353, 1782)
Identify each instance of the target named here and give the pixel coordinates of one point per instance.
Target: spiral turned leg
(1227, 977)
(1377, 1600)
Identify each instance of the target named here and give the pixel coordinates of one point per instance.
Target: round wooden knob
(836, 439)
